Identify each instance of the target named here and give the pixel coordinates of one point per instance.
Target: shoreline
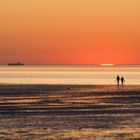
(74, 86)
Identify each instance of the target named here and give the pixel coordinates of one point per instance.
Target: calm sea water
(68, 74)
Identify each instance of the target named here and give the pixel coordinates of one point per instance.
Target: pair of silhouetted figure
(118, 79)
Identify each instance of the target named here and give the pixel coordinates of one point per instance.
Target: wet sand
(62, 112)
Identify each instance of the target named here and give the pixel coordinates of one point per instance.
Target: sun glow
(107, 64)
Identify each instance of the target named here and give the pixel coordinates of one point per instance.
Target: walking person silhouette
(122, 80)
(118, 79)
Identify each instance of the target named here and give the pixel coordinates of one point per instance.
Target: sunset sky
(70, 31)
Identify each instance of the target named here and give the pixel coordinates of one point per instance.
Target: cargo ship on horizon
(15, 64)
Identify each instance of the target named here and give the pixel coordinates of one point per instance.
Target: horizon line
(103, 64)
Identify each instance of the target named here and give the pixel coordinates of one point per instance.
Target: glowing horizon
(70, 32)
(107, 64)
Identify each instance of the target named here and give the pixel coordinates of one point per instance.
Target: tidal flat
(69, 112)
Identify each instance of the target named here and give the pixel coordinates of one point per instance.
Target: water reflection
(68, 74)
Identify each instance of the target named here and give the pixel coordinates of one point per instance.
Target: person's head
(122, 78)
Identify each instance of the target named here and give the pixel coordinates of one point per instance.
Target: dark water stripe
(69, 112)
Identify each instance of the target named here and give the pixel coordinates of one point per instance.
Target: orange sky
(70, 31)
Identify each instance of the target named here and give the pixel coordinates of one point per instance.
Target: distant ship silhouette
(15, 64)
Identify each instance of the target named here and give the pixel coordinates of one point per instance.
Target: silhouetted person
(118, 79)
(122, 80)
